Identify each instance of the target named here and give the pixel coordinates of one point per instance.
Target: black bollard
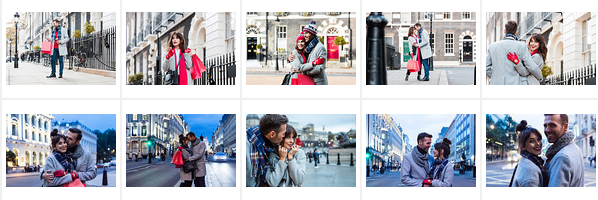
(352, 160)
(105, 179)
(327, 159)
(339, 159)
(309, 158)
(474, 169)
(367, 172)
(375, 49)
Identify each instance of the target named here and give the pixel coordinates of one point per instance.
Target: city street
(440, 76)
(35, 74)
(393, 179)
(330, 175)
(164, 174)
(499, 173)
(31, 179)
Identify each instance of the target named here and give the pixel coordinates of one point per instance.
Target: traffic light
(367, 155)
(149, 141)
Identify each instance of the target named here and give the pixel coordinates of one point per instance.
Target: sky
(92, 121)
(534, 120)
(332, 122)
(414, 124)
(203, 124)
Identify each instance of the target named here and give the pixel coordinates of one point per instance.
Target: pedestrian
(58, 41)
(287, 163)
(316, 157)
(502, 55)
(186, 177)
(414, 51)
(58, 163)
(416, 165)
(423, 45)
(199, 147)
(440, 175)
(530, 171)
(261, 141)
(315, 50)
(564, 158)
(177, 62)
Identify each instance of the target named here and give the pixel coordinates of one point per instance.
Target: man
(564, 159)
(425, 49)
(58, 51)
(416, 164)
(316, 55)
(316, 158)
(261, 140)
(83, 160)
(199, 148)
(504, 56)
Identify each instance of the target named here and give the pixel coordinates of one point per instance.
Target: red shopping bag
(302, 79)
(197, 68)
(46, 47)
(75, 183)
(413, 65)
(177, 159)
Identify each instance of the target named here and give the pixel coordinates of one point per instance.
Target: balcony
(305, 14)
(281, 14)
(149, 32)
(135, 45)
(333, 13)
(140, 37)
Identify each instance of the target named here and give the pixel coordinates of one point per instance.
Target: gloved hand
(74, 175)
(427, 182)
(59, 173)
(513, 57)
(170, 54)
(318, 61)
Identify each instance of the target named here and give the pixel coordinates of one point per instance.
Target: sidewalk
(397, 77)
(97, 182)
(35, 74)
(331, 70)
(330, 175)
(211, 177)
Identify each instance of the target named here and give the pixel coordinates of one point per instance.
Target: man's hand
(318, 61)
(294, 150)
(48, 176)
(416, 45)
(282, 152)
(427, 182)
(74, 175)
(513, 57)
(291, 57)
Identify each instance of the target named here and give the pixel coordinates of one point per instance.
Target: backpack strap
(513, 176)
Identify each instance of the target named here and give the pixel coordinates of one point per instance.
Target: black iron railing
(220, 71)
(581, 76)
(99, 48)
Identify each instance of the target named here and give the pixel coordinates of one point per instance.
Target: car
(113, 163)
(220, 156)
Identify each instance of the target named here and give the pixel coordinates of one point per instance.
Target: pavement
(393, 179)
(442, 75)
(499, 173)
(256, 74)
(35, 74)
(330, 175)
(31, 179)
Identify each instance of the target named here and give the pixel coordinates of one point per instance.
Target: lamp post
(16, 40)
(431, 59)
(277, 21)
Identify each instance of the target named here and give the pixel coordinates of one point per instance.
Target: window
(134, 131)
(134, 117)
(282, 32)
(585, 44)
(144, 117)
(388, 40)
(448, 15)
(26, 118)
(39, 137)
(14, 130)
(427, 15)
(251, 13)
(144, 131)
(26, 134)
(33, 135)
(448, 43)
(466, 15)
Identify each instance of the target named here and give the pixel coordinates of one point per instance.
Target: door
(467, 50)
(333, 53)
(406, 55)
(251, 48)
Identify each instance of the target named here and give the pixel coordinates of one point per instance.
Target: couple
(309, 57)
(273, 159)
(69, 164)
(193, 149)
(418, 170)
(510, 62)
(58, 50)
(564, 164)
(419, 45)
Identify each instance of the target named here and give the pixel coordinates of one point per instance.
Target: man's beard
(71, 149)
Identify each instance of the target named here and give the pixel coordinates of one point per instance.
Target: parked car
(220, 156)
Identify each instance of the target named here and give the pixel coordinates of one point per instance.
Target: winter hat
(311, 28)
(300, 37)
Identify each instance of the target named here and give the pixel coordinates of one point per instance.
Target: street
(35, 74)
(393, 179)
(276, 79)
(164, 174)
(31, 179)
(499, 173)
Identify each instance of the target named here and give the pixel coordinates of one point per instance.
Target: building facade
(229, 129)
(89, 141)
(28, 137)
(584, 128)
(207, 34)
(264, 30)
(162, 129)
(385, 141)
(461, 132)
(453, 36)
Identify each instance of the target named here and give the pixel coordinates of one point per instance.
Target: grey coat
(500, 69)
(411, 42)
(170, 64)
(534, 71)
(295, 170)
(318, 71)
(86, 168)
(64, 38)
(424, 45)
(527, 174)
(412, 175)
(566, 168)
(186, 176)
(199, 149)
(446, 177)
(53, 165)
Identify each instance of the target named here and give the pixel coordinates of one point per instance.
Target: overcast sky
(333, 122)
(100, 122)
(414, 124)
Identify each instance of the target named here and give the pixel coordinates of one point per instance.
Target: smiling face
(308, 36)
(554, 128)
(425, 143)
(533, 44)
(533, 144)
(71, 139)
(288, 142)
(176, 41)
(301, 44)
(61, 145)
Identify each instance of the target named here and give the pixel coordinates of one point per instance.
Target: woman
(537, 48)
(299, 63)
(58, 163)
(179, 59)
(530, 171)
(441, 174)
(287, 165)
(414, 51)
(186, 177)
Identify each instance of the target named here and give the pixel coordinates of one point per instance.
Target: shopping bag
(197, 68)
(177, 159)
(302, 79)
(413, 65)
(46, 47)
(287, 79)
(75, 183)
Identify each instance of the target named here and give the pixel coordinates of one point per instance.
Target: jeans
(200, 181)
(186, 184)
(426, 68)
(55, 55)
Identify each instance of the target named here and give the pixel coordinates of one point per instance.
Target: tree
(330, 136)
(321, 39)
(89, 28)
(11, 157)
(77, 34)
(546, 71)
(106, 144)
(340, 41)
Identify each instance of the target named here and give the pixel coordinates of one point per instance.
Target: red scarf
(182, 69)
(534, 52)
(304, 58)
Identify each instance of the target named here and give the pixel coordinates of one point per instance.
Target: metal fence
(582, 76)
(219, 71)
(100, 48)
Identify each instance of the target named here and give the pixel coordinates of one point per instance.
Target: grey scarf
(421, 159)
(565, 140)
(77, 153)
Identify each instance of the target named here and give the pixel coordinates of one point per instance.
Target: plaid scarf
(64, 160)
(312, 44)
(57, 33)
(419, 34)
(437, 168)
(259, 155)
(513, 36)
(540, 163)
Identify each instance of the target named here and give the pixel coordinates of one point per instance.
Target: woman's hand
(188, 50)
(170, 53)
(282, 152)
(294, 150)
(291, 57)
(74, 175)
(296, 71)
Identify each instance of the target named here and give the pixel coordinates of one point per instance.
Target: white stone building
(28, 137)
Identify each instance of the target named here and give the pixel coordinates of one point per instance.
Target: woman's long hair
(180, 37)
(183, 141)
(542, 50)
(56, 138)
(524, 133)
(444, 145)
(411, 31)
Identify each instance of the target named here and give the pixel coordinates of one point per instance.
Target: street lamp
(16, 39)
(431, 59)
(277, 21)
